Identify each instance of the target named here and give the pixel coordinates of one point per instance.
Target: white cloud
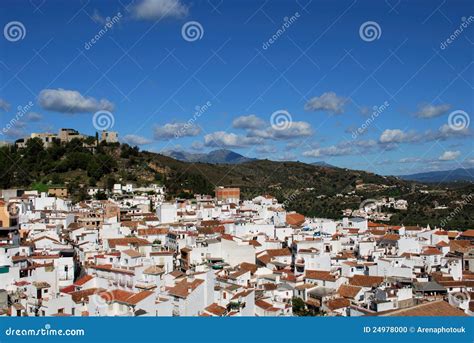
(393, 136)
(447, 131)
(449, 155)
(410, 160)
(159, 9)
(343, 148)
(197, 146)
(327, 102)
(333, 150)
(228, 140)
(4, 105)
(266, 149)
(248, 122)
(432, 111)
(175, 130)
(136, 140)
(69, 101)
(33, 116)
(294, 129)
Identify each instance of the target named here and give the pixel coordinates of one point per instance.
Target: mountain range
(460, 174)
(312, 190)
(221, 156)
(214, 157)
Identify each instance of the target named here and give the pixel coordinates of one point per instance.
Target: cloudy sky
(384, 86)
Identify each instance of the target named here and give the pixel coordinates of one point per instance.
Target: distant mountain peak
(322, 164)
(459, 174)
(217, 156)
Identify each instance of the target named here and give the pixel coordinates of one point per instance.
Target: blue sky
(396, 102)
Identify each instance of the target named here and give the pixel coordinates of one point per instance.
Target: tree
(110, 183)
(299, 307)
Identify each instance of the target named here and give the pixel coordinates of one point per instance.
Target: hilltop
(313, 190)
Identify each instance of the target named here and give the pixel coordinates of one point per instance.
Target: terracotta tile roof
(242, 294)
(153, 270)
(431, 309)
(431, 251)
(337, 303)
(278, 252)
(265, 259)
(83, 280)
(152, 231)
(216, 309)
(83, 295)
(130, 298)
(460, 246)
(132, 253)
(108, 267)
(348, 291)
(254, 243)
(248, 266)
(295, 219)
(237, 274)
(319, 275)
(442, 244)
(113, 242)
(183, 288)
(468, 233)
(365, 280)
(390, 237)
(266, 306)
